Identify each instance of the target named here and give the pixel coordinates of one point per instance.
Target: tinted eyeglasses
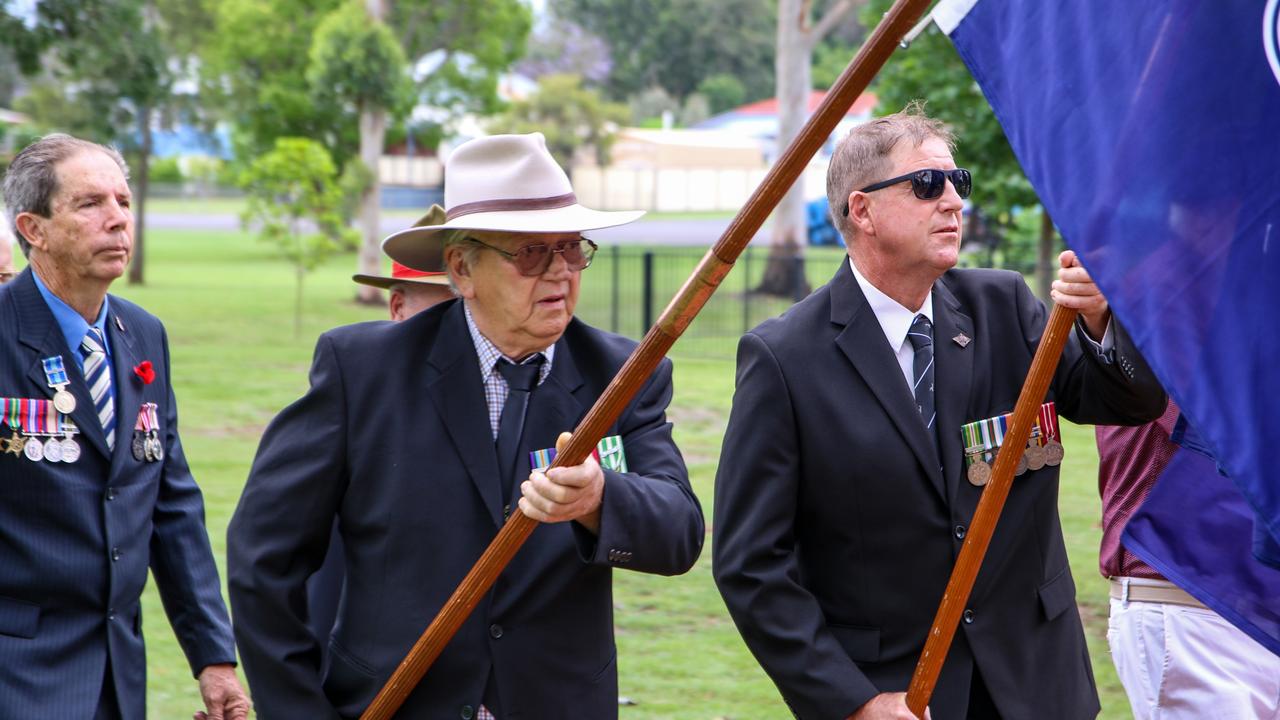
(927, 184)
(533, 259)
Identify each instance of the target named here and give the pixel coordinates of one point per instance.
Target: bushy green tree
(569, 115)
(294, 202)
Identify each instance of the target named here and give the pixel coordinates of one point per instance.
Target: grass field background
(227, 304)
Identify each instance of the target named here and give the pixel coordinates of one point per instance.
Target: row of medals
(52, 450)
(1034, 457)
(146, 446)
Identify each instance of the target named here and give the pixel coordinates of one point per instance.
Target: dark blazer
(76, 538)
(393, 439)
(837, 524)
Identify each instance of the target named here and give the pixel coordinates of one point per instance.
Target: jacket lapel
(553, 409)
(38, 330)
(125, 353)
(953, 369)
(458, 394)
(862, 341)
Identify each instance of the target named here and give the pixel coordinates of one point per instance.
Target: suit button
(495, 631)
(467, 712)
(968, 617)
(115, 554)
(111, 614)
(960, 532)
(111, 493)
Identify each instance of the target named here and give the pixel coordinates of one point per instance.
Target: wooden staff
(644, 360)
(988, 513)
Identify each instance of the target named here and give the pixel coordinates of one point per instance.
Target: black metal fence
(626, 289)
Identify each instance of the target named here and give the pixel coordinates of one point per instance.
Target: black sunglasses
(927, 184)
(533, 259)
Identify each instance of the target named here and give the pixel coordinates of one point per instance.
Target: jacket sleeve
(650, 519)
(180, 555)
(754, 546)
(278, 537)
(1091, 386)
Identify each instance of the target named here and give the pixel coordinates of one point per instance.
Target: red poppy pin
(144, 371)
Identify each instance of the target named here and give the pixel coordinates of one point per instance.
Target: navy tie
(521, 380)
(921, 337)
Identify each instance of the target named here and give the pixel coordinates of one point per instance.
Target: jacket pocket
(861, 644)
(1058, 594)
(18, 618)
(349, 682)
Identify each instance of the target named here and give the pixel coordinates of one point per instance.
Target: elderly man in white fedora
(420, 437)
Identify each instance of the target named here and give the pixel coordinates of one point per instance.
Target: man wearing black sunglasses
(841, 496)
(421, 437)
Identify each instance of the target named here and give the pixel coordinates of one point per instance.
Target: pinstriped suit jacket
(76, 539)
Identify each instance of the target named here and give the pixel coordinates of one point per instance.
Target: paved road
(659, 231)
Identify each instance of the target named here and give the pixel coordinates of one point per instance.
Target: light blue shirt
(74, 328)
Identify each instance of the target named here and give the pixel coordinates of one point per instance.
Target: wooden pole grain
(713, 267)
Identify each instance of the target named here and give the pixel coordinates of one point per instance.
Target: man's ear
(32, 228)
(455, 263)
(860, 213)
(395, 304)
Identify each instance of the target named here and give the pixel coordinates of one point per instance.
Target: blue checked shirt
(495, 386)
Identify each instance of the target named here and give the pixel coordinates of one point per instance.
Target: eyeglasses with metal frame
(533, 259)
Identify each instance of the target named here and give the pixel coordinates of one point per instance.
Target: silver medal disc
(155, 449)
(1053, 453)
(1022, 464)
(1035, 457)
(64, 402)
(52, 450)
(34, 449)
(70, 450)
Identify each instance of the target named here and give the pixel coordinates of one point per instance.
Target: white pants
(1187, 663)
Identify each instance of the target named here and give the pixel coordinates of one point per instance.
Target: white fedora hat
(502, 183)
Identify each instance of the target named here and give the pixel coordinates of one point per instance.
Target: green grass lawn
(227, 304)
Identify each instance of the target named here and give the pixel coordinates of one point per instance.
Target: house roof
(865, 102)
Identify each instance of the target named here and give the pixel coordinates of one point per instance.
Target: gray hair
(32, 179)
(862, 157)
(469, 252)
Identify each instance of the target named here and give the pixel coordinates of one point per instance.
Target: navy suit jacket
(76, 538)
(837, 524)
(393, 439)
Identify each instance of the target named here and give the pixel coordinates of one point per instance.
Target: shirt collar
(73, 327)
(895, 320)
(489, 354)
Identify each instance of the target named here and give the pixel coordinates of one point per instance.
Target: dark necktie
(921, 337)
(521, 380)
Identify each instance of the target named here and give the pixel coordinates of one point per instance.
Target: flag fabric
(1170, 533)
(1151, 131)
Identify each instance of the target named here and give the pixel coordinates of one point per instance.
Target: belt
(1127, 589)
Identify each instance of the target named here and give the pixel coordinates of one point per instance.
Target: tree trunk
(1045, 256)
(373, 130)
(141, 181)
(783, 273)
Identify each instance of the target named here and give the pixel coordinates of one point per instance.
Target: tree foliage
(358, 62)
(676, 44)
(572, 117)
(294, 202)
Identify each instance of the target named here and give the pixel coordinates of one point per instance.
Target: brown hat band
(546, 203)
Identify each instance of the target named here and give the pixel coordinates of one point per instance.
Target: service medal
(1053, 453)
(70, 450)
(979, 473)
(33, 449)
(14, 444)
(55, 375)
(64, 402)
(154, 448)
(1022, 464)
(53, 450)
(138, 446)
(1035, 457)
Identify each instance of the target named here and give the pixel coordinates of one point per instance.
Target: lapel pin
(962, 340)
(119, 325)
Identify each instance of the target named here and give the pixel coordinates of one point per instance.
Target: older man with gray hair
(420, 437)
(96, 486)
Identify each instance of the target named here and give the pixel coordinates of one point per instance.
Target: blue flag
(1151, 131)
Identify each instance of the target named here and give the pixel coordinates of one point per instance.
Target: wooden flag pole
(985, 517)
(645, 358)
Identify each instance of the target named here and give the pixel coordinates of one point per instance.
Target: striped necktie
(97, 373)
(921, 336)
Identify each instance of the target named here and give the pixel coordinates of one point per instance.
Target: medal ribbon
(153, 419)
(983, 436)
(12, 413)
(38, 417)
(54, 371)
(542, 459)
